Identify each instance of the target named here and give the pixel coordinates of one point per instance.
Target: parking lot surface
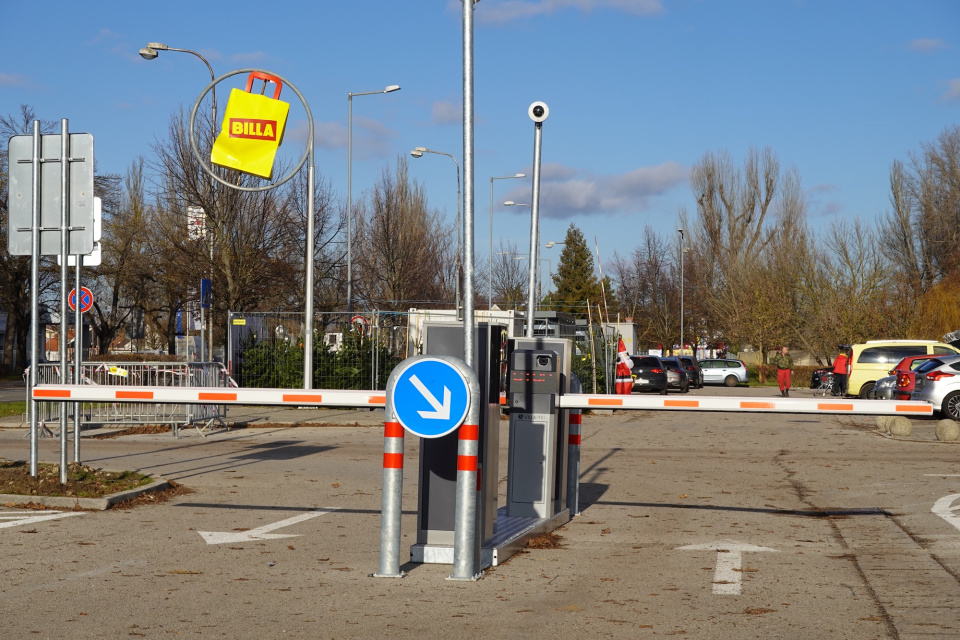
(703, 525)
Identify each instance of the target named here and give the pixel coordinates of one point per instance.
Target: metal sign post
(51, 210)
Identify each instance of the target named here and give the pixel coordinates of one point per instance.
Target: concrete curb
(96, 504)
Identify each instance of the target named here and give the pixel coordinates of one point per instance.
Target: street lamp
(552, 244)
(389, 89)
(418, 153)
(490, 265)
(150, 52)
(680, 231)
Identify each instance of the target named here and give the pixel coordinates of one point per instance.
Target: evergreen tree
(575, 282)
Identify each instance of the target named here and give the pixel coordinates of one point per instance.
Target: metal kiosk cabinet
(437, 487)
(537, 467)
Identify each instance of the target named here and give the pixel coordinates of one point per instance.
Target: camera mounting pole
(538, 112)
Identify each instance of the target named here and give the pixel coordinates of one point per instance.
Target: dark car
(694, 371)
(677, 377)
(648, 374)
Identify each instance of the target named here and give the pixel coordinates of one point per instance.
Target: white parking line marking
(727, 579)
(945, 508)
(20, 518)
(261, 533)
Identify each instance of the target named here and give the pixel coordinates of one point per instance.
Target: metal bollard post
(466, 541)
(392, 502)
(573, 452)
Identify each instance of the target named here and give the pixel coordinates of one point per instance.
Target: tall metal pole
(35, 298)
(350, 205)
(308, 283)
(534, 228)
(64, 292)
(77, 359)
(388, 89)
(681, 289)
(469, 353)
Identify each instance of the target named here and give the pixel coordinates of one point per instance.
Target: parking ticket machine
(535, 428)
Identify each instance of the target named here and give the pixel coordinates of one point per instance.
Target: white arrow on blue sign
(430, 398)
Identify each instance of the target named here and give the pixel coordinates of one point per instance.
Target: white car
(938, 382)
(724, 371)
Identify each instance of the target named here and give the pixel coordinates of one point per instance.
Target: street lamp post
(680, 231)
(150, 52)
(392, 87)
(490, 264)
(418, 153)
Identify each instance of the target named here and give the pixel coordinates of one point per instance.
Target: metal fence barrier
(139, 374)
(351, 351)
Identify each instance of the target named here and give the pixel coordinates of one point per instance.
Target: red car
(906, 378)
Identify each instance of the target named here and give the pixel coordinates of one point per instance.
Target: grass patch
(82, 481)
(8, 409)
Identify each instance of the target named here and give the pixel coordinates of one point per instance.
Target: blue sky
(638, 91)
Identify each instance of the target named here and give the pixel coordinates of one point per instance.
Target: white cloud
(502, 11)
(925, 45)
(953, 91)
(566, 192)
(248, 57)
(446, 112)
(13, 80)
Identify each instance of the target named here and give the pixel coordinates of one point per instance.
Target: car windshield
(671, 364)
(640, 361)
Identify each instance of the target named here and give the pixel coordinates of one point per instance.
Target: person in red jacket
(841, 369)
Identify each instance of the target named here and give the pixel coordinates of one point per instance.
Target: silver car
(884, 389)
(724, 371)
(938, 382)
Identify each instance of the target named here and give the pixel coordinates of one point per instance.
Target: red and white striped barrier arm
(210, 395)
(747, 405)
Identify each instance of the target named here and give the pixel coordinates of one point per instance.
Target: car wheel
(663, 391)
(867, 392)
(951, 406)
(730, 381)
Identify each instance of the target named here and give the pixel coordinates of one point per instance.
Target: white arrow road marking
(441, 411)
(945, 508)
(19, 518)
(260, 533)
(727, 579)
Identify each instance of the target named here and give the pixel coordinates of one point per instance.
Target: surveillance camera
(538, 111)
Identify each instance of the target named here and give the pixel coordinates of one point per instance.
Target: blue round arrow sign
(430, 398)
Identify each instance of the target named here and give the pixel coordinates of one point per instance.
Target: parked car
(677, 377)
(694, 371)
(905, 375)
(648, 374)
(938, 382)
(884, 388)
(724, 371)
(871, 360)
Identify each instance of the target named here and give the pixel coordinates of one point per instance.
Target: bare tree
(510, 277)
(404, 251)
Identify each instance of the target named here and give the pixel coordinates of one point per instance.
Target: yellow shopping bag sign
(252, 129)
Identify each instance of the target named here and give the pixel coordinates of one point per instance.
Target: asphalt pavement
(702, 525)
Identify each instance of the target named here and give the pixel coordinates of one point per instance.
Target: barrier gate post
(573, 452)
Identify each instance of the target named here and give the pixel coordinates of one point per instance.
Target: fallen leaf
(683, 495)
(335, 484)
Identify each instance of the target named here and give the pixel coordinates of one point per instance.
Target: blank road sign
(20, 197)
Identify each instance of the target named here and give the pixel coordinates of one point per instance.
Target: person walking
(783, 362)
(841, 368)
